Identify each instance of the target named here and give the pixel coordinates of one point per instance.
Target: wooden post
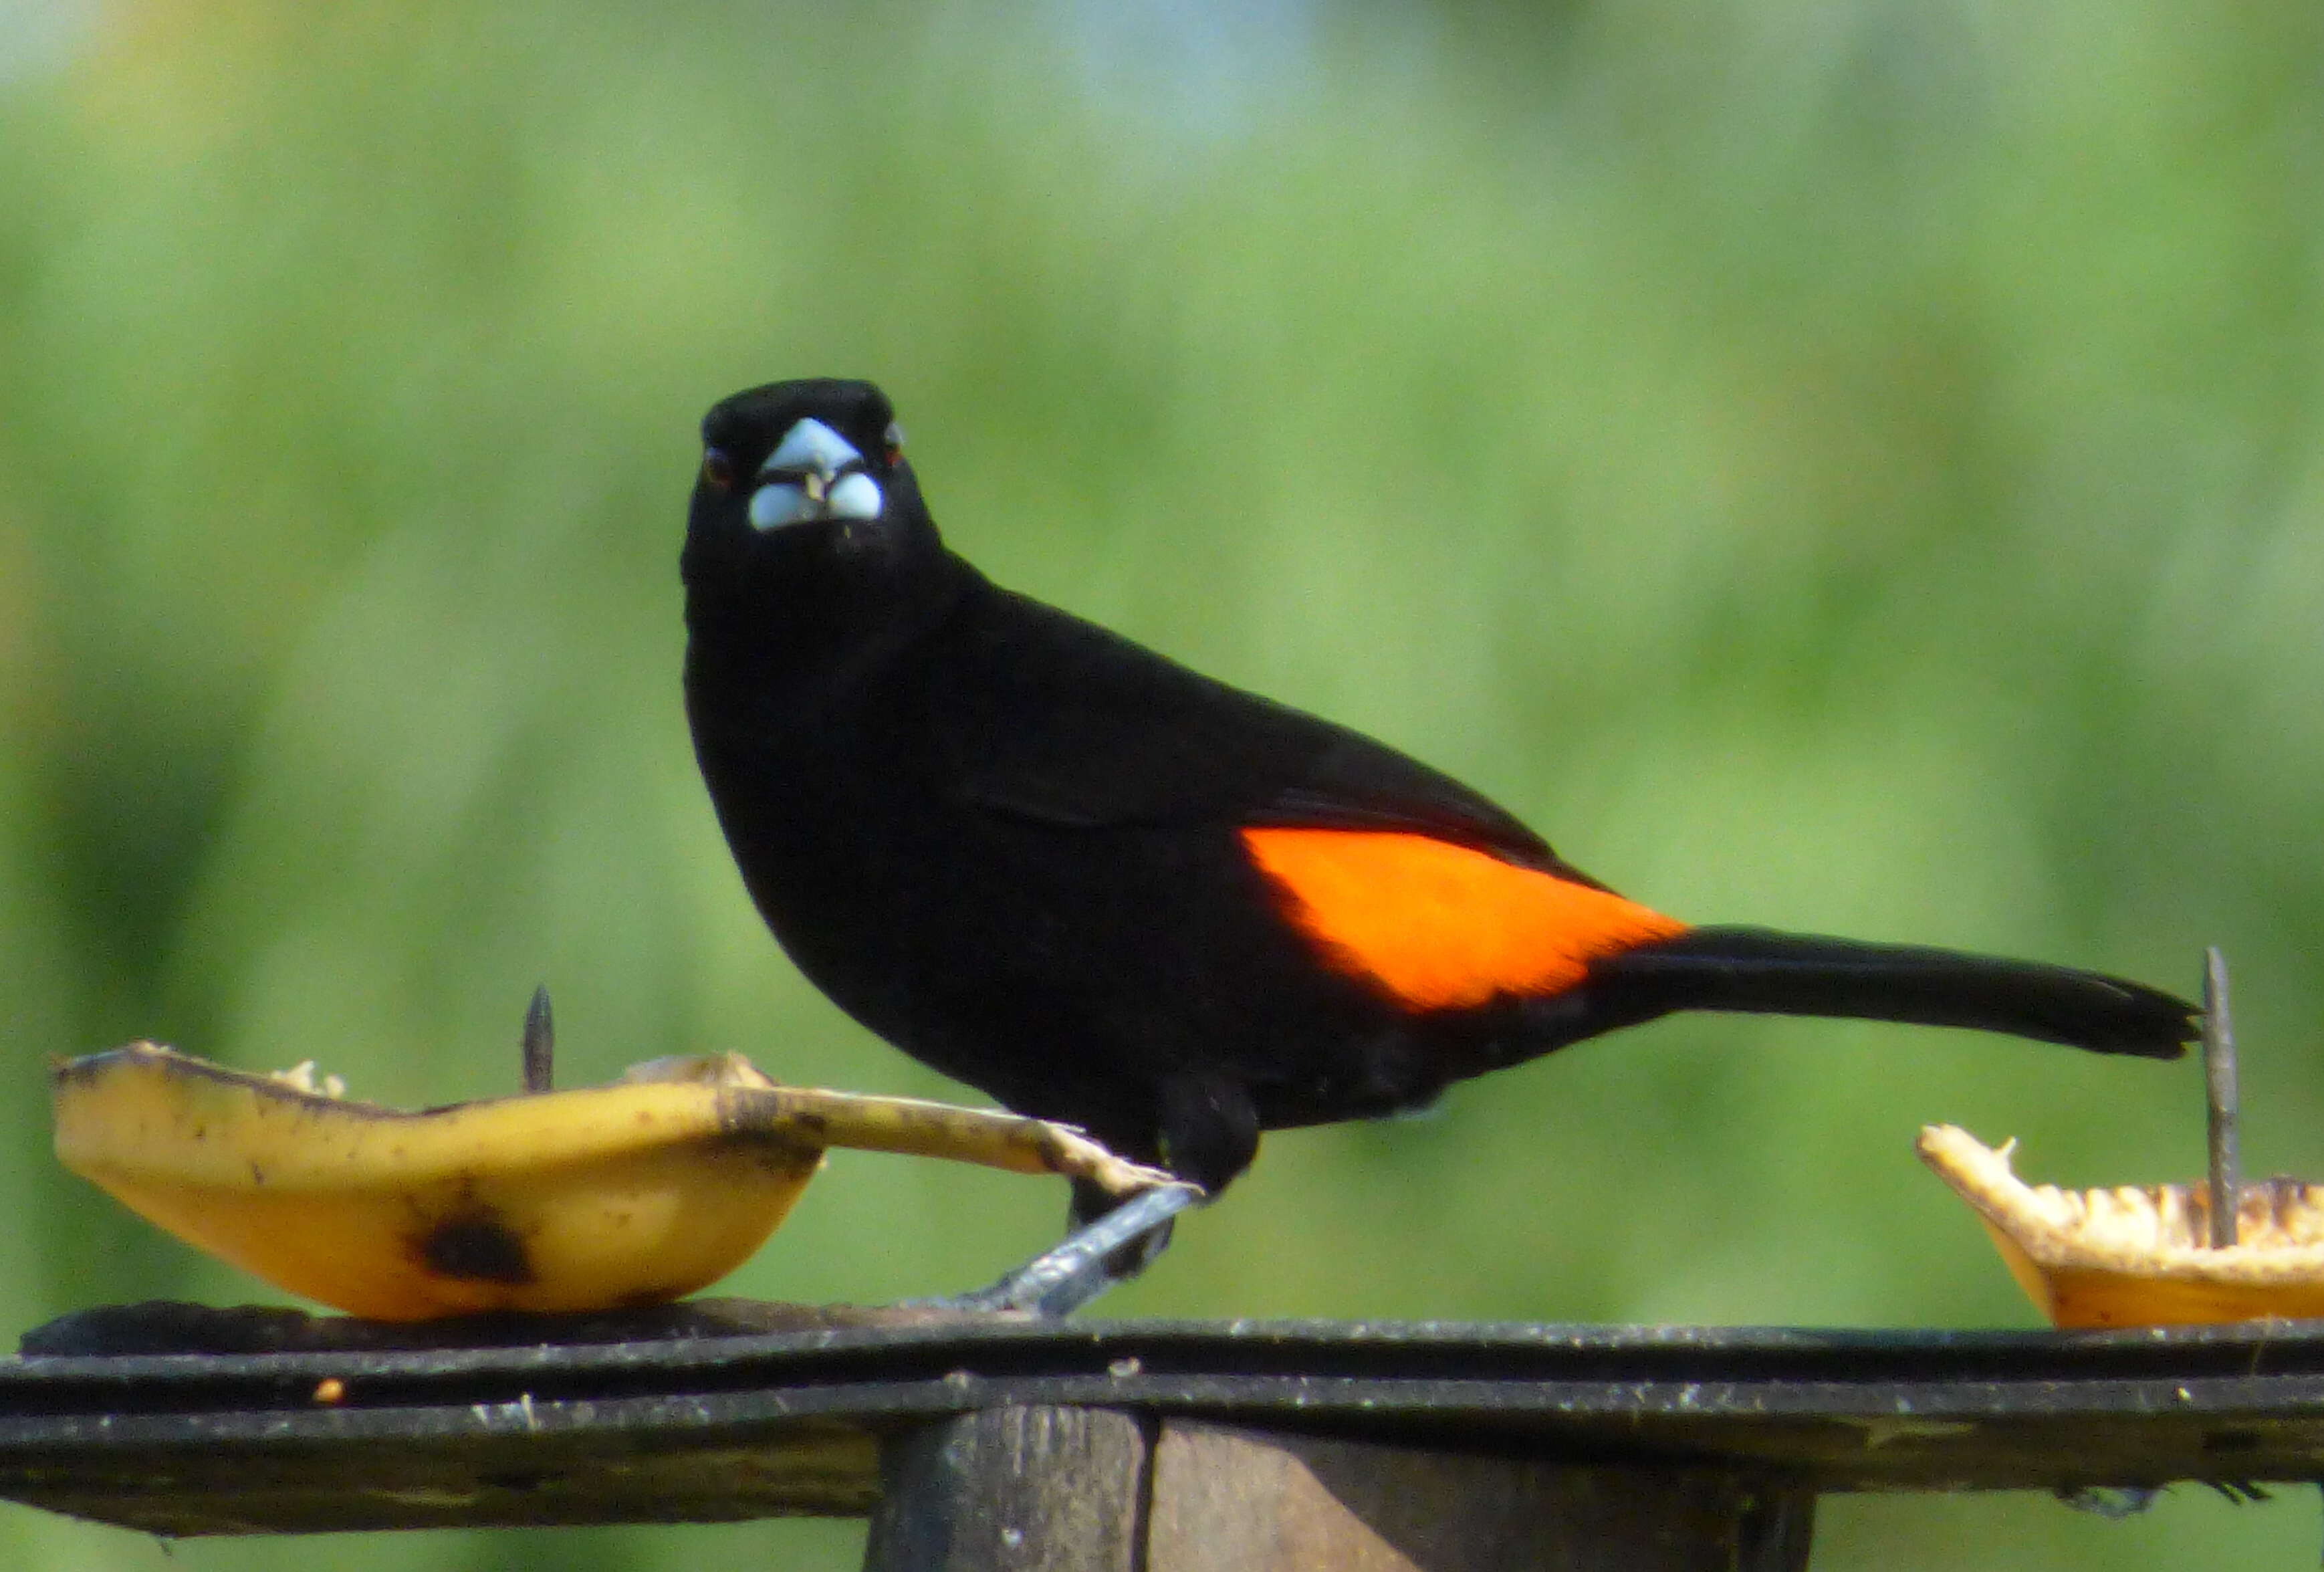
(1059, 1488)
(1027, 1489)
(1232, 1498)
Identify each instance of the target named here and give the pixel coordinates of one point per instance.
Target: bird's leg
(1059, 1281)
(1209, 1127)
(1091, 1203)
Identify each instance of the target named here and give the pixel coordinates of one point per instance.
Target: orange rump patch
(1440, 926)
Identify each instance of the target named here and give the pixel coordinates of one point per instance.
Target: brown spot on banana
(475, 1245)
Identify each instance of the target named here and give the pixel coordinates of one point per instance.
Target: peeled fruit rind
(633, 1193)
(2139, 1255)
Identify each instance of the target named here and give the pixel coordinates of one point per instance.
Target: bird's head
(804, 480)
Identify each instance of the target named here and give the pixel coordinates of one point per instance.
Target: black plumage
(1016, 844)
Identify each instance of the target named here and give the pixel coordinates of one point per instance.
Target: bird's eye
(717, 469)
(891, 442)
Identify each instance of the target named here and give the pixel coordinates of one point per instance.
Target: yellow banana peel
(627, 1194)
(2139, 1255)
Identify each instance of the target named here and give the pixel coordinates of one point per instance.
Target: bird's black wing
(1047, 717)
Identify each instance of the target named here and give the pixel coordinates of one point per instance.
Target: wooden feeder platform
(985, 1441)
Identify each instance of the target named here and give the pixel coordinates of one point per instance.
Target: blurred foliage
(1844, 467)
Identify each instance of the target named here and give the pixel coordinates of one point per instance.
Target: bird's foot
(1060, 1281)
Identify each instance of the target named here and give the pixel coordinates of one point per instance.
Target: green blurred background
(1848, 466)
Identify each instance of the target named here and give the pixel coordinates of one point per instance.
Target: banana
(628, 1194)
(2139, 1255)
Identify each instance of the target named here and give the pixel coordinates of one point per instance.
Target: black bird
(1106, 890)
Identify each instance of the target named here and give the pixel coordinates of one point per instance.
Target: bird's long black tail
(1785, 974)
